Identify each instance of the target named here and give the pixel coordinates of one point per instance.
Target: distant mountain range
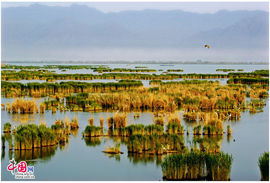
(41, 29)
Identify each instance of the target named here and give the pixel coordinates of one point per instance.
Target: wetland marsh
(193, 111)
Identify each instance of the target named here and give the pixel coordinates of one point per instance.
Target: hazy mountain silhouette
(40, 27)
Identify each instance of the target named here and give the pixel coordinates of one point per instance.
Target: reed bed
(229, 130)
(113, 149)
(23, 106)
(62, 130)
(175, 70)
(3, 141)
(7, 128)
(249, 81)
(225, 70)
(10, 89)
(197, 166)
(155, 144)
(191, 96)
(92, 131)
(208, 144)
(214, 127)
(101, 121)
(9, 75)
(159, 121)
(174, 125)
(119, 120)
(91, 121)
(33, 136)
(190, 116)
(74, 124)
(100, 70)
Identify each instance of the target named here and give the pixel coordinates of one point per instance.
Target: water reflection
(35, 155)
(92, 141)
(144, 158)
(23, 118)
(117, 157)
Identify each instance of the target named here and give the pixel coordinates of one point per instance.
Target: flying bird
(206, 46)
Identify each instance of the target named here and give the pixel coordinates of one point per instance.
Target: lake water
(84, 160)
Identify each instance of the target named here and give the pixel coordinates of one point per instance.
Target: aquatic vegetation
(134, 129)
(91, 121)
(159, 121)
(191, 95)
(7, 128)
(249, 81)
(74, 124)
(235, 114)
(62, 131)
(137, 115)
(197, 130)
(10, 89)
(42, 122)
(229, 130)
(141, 67)
(33, 136)
(155, 144)
(153, 130)
(197, 166)
(175, 70)
(190, 116)
(225, 70)
(173, 118)
(8, 75)
(117, 121)
(41, 107)
(174, 127)
(205, 104)
(155, 82)
(100, 70)
(113, 149)
(24, 106)
(92, 131)
(60, 67)
(208, 144)
(263, 163)
(213, 127)
(3, 141)
(101, 121)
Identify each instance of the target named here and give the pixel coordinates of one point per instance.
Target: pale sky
(199, 7)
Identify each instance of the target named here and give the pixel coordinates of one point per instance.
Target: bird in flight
(206, 46)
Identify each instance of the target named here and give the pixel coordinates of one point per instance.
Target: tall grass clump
(117, 121)
(74, 123)
(7, 128)
(264, 166)
(197, 165)
(92, 131)
(24, 106)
